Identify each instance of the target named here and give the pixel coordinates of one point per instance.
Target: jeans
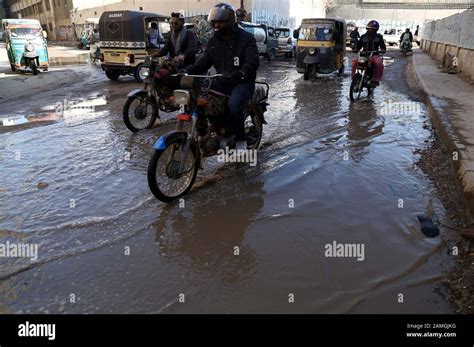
(240, 95)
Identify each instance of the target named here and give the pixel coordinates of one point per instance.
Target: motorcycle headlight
(182, 97)
(362, 60)
(29, 48)
(312, 51)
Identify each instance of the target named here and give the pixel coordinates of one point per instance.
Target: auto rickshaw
(125, 42)
(26, 44)
(321, 46)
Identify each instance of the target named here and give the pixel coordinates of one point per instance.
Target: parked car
(286, 42)
(392, 36)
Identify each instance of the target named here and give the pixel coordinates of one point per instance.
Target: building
(261, 11)
(65, 19)
(54, 15)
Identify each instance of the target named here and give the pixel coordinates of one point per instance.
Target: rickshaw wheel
(341, 70)
(112, 74)
(271, 54)
(33, 67)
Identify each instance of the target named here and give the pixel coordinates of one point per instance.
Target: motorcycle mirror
(296, 33)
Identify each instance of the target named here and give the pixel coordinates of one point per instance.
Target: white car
(392, 36)
(286, 42)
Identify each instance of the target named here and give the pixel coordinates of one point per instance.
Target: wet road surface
(248, 239)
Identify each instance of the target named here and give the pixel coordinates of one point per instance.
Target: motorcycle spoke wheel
(140, 113)
(165, 180)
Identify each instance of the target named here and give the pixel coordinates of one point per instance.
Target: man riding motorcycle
(371, 41)
(407, 36)
(181, 44)
(355, 36)
(233, 52)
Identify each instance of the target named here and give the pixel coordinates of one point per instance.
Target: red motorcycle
(362, 81)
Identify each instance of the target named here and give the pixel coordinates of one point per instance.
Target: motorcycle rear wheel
(253, 131)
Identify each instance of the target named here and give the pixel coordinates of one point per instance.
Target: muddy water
(248, 238)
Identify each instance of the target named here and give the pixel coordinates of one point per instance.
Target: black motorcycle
(201, 130)
(143, 105)
(362, 79)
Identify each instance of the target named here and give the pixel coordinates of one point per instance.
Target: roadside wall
(452, 34)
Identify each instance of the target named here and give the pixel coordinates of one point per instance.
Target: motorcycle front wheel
(165, 179)
(355, 89)
(140, 112)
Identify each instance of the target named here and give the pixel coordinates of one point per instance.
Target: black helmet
(222, 12)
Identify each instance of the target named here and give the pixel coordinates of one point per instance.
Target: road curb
(72, 60)
(463, 167)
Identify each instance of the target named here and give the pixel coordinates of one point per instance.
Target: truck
(267, 40)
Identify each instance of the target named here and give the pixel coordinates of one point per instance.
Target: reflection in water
(364, 125)
(207, 237)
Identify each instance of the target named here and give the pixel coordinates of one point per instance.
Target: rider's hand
(237, 75)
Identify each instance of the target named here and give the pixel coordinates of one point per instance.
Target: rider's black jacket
(239, 53)
(188, 48)
(355, 34)
(371, 43)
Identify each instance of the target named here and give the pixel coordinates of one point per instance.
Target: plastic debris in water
(427, 226)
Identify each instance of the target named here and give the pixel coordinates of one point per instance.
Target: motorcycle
(31, 57)
(363, 76)
(143, 105)
(405, 47)
(201, 130)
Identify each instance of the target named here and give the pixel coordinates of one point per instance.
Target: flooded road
(248, 239)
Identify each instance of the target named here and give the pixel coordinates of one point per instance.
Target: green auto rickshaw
(26, 44)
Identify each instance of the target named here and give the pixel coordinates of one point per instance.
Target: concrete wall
(275, 13)
(270, 11)
(300, 9)
(453, 34)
